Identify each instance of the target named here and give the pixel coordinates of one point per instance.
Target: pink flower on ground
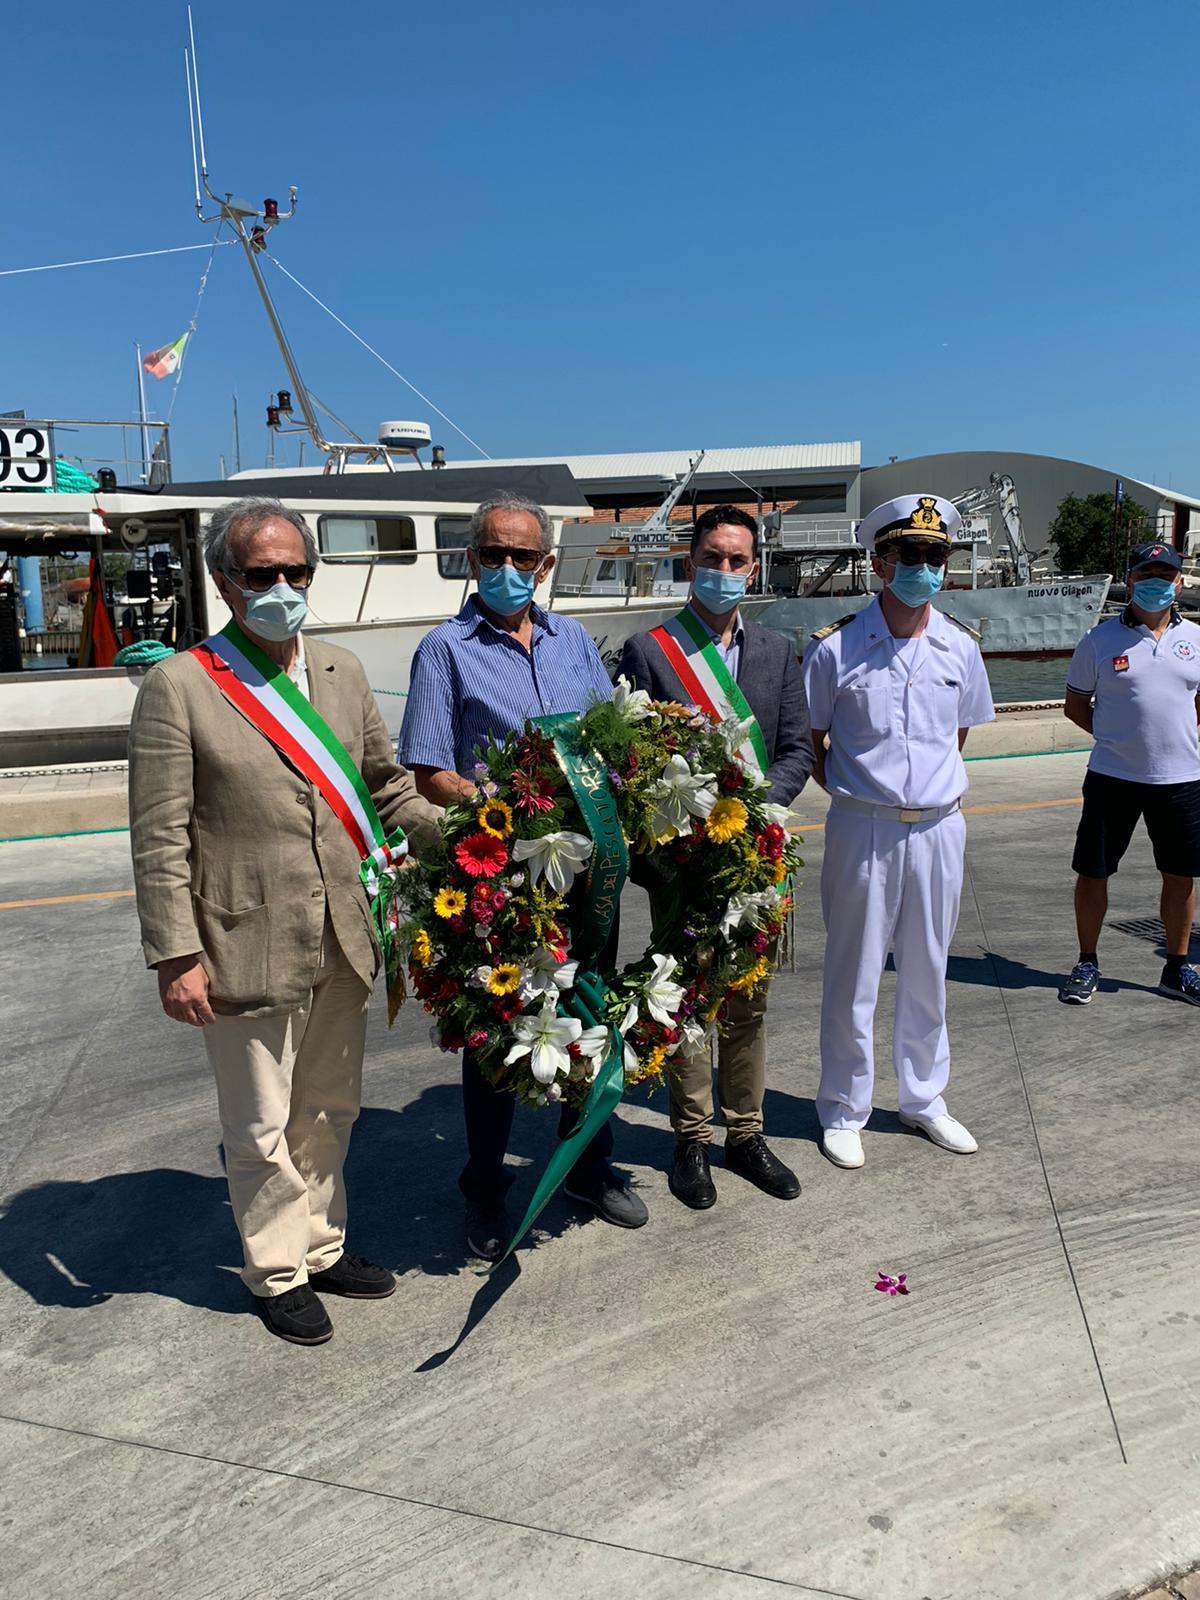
(889, 1285)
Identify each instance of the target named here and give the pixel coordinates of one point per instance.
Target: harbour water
(1026, 678)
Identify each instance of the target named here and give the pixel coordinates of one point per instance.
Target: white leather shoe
(843, 1146)
(945, 1131)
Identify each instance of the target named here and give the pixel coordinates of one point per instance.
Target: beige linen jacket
(235, 854)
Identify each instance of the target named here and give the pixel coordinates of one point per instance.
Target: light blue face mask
(278, 613)
(505, 590)
(916, 586)
(1154, 594)
(718, 591)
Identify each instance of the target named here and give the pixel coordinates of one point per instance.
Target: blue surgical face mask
(278, 613)
(1154, 594)
(718, 591)
(916, 586)
(506, 590)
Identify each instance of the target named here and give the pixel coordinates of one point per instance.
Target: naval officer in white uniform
(895, 687)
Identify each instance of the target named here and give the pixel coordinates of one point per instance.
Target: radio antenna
(187, 70)
(196, 81)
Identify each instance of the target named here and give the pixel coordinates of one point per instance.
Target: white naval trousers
(886, 885)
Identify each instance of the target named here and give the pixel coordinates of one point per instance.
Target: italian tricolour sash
(697, 664)
(264, 693)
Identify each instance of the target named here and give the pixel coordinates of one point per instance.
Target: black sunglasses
(260, 579)
(495, 555)
(907, 556)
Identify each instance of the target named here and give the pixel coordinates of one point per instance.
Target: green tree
(1087, 537)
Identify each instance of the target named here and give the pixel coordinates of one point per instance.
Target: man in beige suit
(253, 914)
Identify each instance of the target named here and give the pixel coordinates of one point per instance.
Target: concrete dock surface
(717, 1406)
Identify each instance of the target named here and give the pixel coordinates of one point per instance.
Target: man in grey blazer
(722, 562)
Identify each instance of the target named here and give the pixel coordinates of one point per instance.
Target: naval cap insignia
(925, 517)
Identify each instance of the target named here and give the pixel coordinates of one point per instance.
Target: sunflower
(505, 978)
(726, 820)
(753, 978)
(495, 818)
(481, 855)
(421, 949)
(449, 903)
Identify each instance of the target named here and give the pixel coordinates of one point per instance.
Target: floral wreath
(488, 920)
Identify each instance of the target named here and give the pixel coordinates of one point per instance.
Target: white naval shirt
(893, 708)
(1144, 721)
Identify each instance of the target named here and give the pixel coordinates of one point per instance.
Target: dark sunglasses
(495, 555)
(260, 579)
(907, 556)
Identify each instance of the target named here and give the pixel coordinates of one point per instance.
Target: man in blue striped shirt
(502, 660)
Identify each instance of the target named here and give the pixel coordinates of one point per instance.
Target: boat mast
(142, 414)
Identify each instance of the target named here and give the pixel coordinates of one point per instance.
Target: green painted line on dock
(1024, 755)
(80, 833)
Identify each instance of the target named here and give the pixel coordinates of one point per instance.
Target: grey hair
(512, 502)
(247, 516)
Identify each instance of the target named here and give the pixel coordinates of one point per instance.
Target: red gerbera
(481, 855)
(532, 794)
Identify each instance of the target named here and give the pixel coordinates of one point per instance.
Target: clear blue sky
(630, 226)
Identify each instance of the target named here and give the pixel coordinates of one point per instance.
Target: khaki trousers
(288, 1091)
(741, 1077)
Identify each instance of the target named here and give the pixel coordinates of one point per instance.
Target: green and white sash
(707, 681)
(264, 693)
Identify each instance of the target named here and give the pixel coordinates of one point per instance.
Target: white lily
(663, 998)
(547, 975)
(694, 1034)
(593, 1047)
(678, 795)
(633, 704)
(743, 910)
(558, 857)
(629, 1020)
(779, 815)
(543, 1037)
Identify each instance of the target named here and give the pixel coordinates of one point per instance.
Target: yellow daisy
(495, 818)
(780, 872)
(505, 978)
(421, 949)
(450, 902)
(726, 820)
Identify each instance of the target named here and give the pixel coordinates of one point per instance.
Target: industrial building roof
(748, 459)
(1170, 494)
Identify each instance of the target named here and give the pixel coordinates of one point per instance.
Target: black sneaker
(691, 1180)
(609, 1196)
(1081, 985)
(487, 1230)
(356, 1278)
(1183, 985)
(297, 1316)
(754, 1159)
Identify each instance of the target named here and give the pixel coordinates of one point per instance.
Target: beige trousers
(288, 1091)
(741, 1077)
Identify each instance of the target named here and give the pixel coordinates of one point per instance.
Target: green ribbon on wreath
(609, 866)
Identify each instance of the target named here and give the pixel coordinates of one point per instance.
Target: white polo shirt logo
(1185, 650)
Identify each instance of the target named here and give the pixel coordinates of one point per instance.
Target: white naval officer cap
(911, 516)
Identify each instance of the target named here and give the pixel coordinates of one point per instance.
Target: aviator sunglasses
(494, 555)
(260, 579)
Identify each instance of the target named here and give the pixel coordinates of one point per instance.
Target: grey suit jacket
(770, 678)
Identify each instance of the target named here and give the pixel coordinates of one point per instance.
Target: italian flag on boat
(697, 664)
(266, 695)
(162, 363)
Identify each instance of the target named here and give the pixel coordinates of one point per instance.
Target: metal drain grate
(1149, 928)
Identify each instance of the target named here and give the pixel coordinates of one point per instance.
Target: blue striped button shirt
(470, 679)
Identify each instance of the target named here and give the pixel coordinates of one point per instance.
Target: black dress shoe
(690, 1179)
(753, 1159)
(297, 1316)
(354, 1277)
(487, 1230)
(609, 1196)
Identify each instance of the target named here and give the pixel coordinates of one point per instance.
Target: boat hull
(1037, 619)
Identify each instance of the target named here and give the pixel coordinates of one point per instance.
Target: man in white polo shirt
(895, 687)
(1134, 685)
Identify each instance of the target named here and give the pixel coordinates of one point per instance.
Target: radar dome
(405, 435)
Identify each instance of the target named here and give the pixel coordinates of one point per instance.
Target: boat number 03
(25, 456)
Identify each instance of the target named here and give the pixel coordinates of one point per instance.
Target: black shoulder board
(823, 633)
(966, 628)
